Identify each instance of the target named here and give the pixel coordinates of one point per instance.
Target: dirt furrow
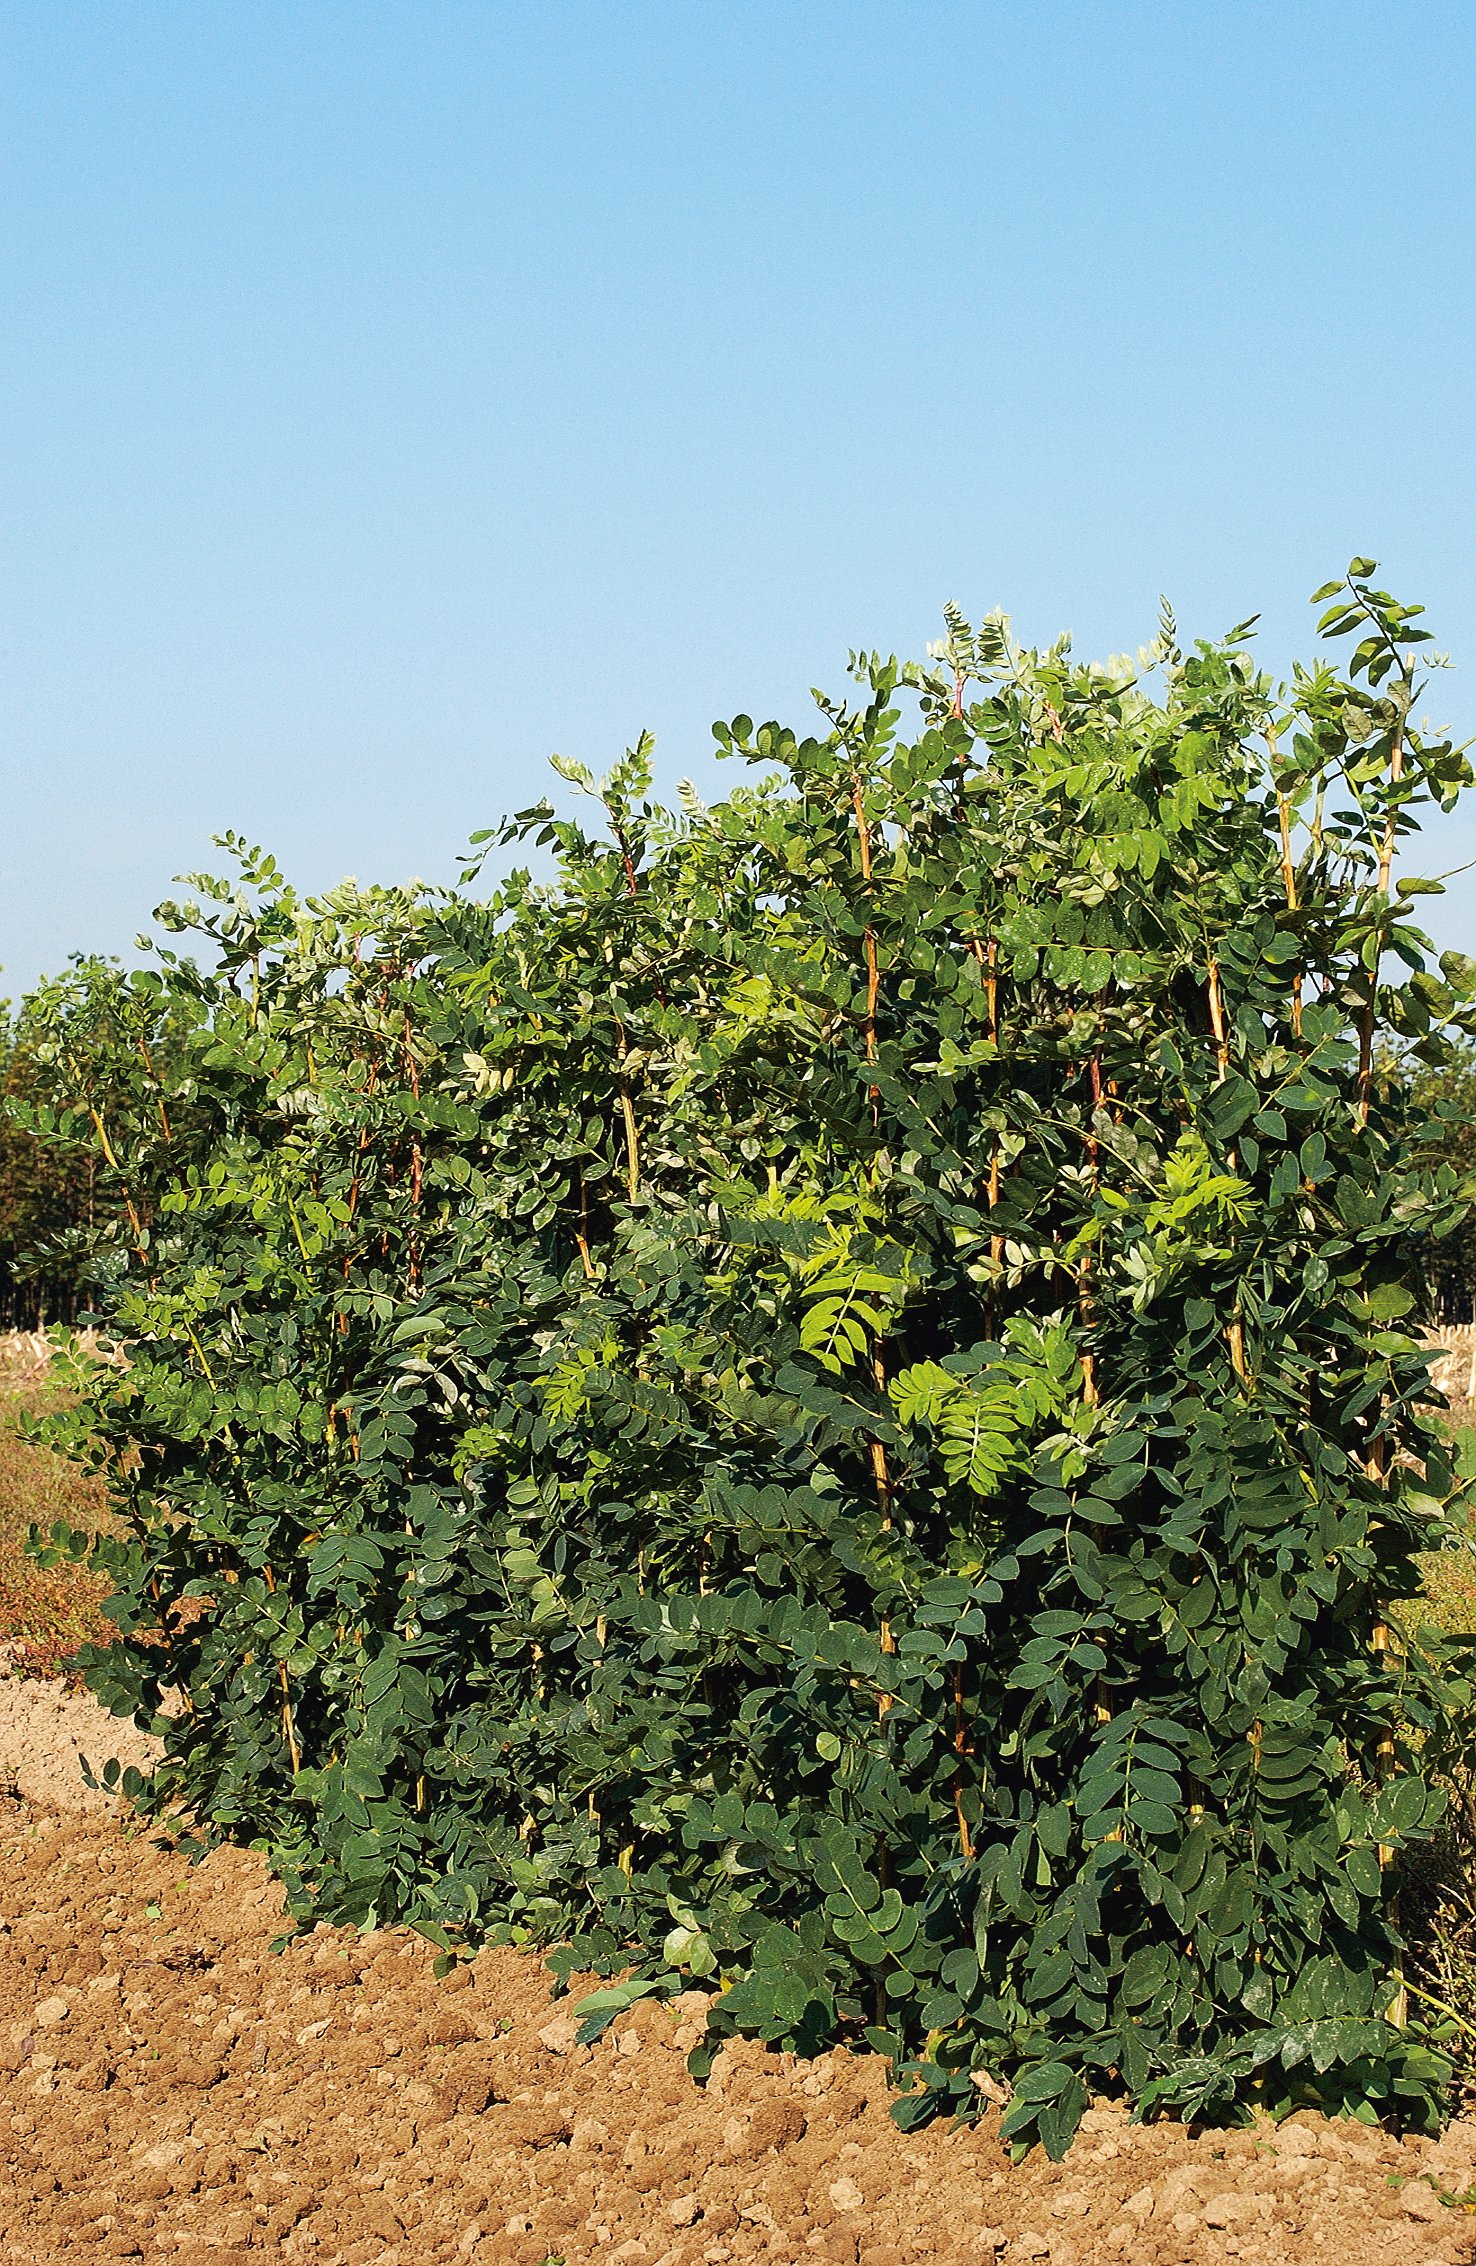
(171, 2088)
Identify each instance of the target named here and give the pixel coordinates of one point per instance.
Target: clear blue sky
(395, 391)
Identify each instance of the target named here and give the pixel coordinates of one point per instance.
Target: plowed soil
(46, 1735)
(171, 2088)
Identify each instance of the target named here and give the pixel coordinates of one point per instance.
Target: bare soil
(172, 2089)
(46, 1732)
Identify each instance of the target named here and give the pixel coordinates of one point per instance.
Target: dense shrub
(823, 1399)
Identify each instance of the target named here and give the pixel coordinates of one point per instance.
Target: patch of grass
(1436, 1882)
(45, 1612)
(1437, 1912)
(1449, 1596)
(1449, 1575)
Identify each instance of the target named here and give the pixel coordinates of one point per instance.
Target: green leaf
(597, 2011)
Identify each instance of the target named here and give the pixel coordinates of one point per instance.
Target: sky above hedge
(395, 395)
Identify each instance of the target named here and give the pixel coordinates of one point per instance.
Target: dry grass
(45, 1612)
(1449, 1598)
(1450, 1575)
(1437, 1881)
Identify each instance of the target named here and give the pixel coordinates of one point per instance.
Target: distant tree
(68, 1214)
(48, 1201)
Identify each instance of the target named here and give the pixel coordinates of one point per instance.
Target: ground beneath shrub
(172, 2089)
(46, 1733)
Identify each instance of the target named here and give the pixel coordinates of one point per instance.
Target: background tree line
(63, 1207)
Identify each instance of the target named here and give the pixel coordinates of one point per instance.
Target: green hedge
(821, 1400)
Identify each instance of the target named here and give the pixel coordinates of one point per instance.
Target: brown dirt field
(171, 2089)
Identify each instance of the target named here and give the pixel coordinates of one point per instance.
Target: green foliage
(823, 1401)
(47, 1192)
(82, 1047)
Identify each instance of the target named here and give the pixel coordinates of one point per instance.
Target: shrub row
(822, 1400)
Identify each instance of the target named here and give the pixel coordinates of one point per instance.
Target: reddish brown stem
(882, 1481)
(1217, 1022)
(632, 883)
(412, 1072)
(1086, 1311)
(582, 1234)
(1386, 869)
(988, 959)
(1386, 1757)
(1235, 1327)
(1289, 884)
(873, 976)
(961, 1751)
